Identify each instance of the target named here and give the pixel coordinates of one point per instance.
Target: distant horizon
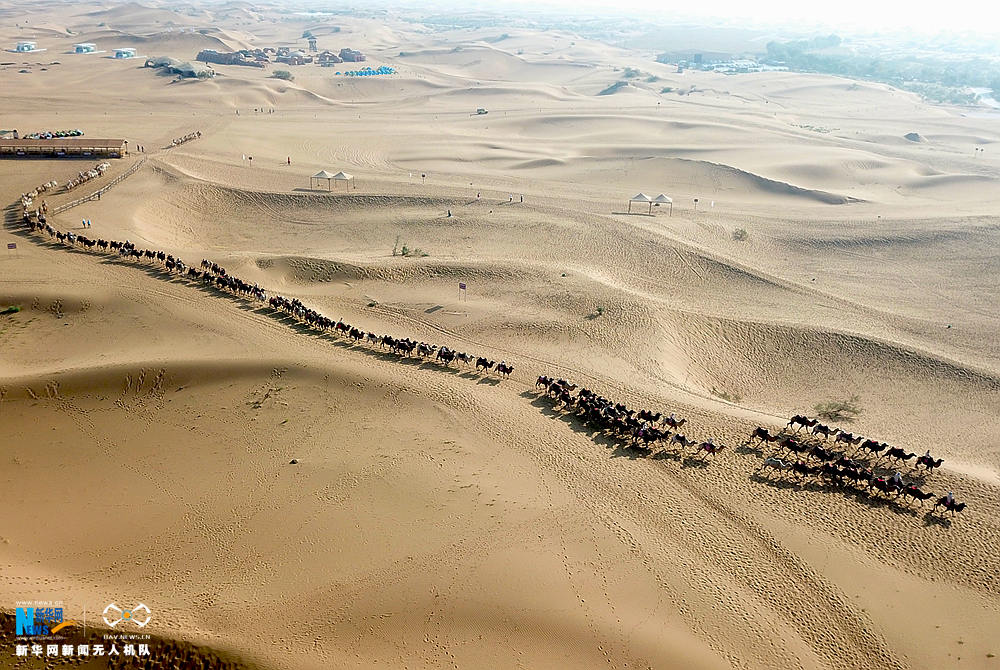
(854, 15)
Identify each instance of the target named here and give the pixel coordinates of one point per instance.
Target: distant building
(84, 48)
(328, 58)
(191, 70)
(125, 52)
(244, 57)
(352, 56)
(26, 47)
(295, 58)
(174, 66)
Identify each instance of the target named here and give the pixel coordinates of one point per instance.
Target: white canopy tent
(664, 200)
(321, 175)
(640, 197)
(344, 177)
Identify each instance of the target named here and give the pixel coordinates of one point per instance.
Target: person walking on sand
(289, 160)
(511, 198)
(522, 197)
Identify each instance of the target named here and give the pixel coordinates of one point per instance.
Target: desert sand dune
(436, 516)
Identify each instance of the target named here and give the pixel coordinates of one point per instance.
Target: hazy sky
(981, 16)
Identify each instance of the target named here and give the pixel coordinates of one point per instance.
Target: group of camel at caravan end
(214, 274)
(864, 468)
(187, 138)
(644, 428)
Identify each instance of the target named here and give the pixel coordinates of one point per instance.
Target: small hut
(84, 48)
(125, 52)
(664, 200)
(26, 47)
(640, 197)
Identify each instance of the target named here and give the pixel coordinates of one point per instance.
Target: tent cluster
(369, 72)
(330, 178)
(658, 200)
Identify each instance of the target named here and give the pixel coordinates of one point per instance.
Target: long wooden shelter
(64, 146)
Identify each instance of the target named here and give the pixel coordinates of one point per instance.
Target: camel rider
(897, 478)
(927, 455)
(949, 499)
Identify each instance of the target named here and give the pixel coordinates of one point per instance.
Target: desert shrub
(283, 74)
(631, 73)
(839, 410)
(741, 235)
(614, 87)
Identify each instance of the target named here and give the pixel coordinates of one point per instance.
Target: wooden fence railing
(97, 194)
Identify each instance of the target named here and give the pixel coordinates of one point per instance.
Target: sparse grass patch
(283, 74)
(741, 235)
(407, 251)
(839, 410)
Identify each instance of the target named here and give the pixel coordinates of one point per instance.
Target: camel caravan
(643, 430)
(83, 177)
(187, 138)
(803, 451)
(805, 456)
(212, 274)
